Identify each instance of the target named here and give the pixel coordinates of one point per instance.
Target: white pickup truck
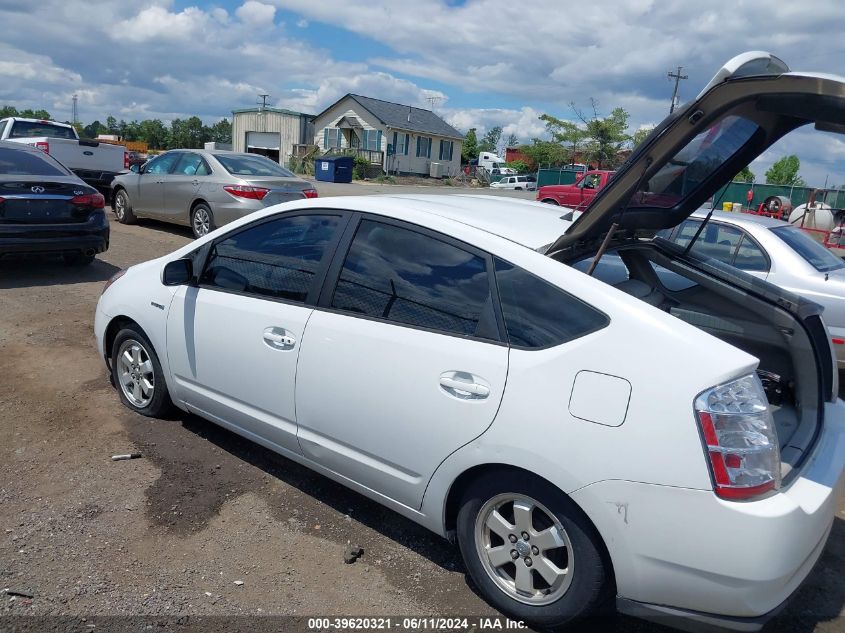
(96, 163)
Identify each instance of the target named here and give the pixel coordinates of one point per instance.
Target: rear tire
(202, 220)
(554, 576)
(137, 374)
(123, 208)
(78, 259)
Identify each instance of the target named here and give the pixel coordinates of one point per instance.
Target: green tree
(154, 133)
(111, 125)
(29, 113)
(785, 172)
(8, 110)
(606, 136)
(221, 132)
(512, 141)
(745, 175)
(187, 133)
(93, 130)
(640, 135)
(567, 134)
(469, 150)
(490, 141)
(541, 152)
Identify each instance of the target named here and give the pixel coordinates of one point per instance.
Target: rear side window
(23, 162)
(24, 129)
(403, 276)
(277, 259)
(538, 314)
(191, 165)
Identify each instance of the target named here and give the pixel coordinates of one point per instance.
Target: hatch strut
(706, 220)
(615, 225)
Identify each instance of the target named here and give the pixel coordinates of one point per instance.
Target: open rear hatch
(750, 104)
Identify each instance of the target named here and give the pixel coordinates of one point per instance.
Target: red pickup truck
(577, 195)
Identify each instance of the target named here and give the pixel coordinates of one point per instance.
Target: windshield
(809, 249)
(696, 162)
(25, 129)
(252, 165)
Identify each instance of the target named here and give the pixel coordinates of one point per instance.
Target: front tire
(530, 550)
(137, 374)
(123, 208)
(551, 201)
(202, 220)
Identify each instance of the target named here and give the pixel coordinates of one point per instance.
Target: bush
(359, 171)
(519, 165)
(386, 179)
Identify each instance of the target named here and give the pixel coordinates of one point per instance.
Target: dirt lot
(169, 535)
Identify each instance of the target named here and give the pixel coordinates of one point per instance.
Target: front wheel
(137, 373)
(551, 201)
(123, 208)
(530, 550)
(202, 220)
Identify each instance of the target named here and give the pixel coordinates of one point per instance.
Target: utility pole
(263, 101)
(75, 111)
(677, 77)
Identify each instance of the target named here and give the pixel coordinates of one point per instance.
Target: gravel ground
(205, 524)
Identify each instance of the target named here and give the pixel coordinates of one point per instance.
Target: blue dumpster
(334, 168)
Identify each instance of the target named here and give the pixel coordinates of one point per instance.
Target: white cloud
(256, 14)
(303, 24)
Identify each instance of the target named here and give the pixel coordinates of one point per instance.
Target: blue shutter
(428, 153)
(419, 138)
(325, 138)
(440, 151)
(407, 142)
(378, 145)
(365, 134)
(451, 147)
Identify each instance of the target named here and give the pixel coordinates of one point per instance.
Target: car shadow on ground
(25, 271)
(165, 227)
(185, 465)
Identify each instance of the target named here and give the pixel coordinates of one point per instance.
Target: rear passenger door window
(277, 259)
(539, 314)
(191, 165)
(400, 275)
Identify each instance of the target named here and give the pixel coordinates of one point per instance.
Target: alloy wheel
(202, 221)
(135, 373)
(120, 206)
(524, 549)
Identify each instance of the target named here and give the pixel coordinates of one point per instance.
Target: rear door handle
(278, 338)
(463, 385)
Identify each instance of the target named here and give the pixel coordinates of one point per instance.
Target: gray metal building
(271, 132)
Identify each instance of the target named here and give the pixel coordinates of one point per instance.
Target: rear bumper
(681, 550)
(90, 236)
(96, 178)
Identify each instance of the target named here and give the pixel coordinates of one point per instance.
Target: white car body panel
(643, 483)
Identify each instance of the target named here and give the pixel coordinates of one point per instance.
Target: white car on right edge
(680, 450)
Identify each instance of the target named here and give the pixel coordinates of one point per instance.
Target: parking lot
(206, 523)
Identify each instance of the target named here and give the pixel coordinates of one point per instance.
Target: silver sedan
(778, 252)
(204, 189)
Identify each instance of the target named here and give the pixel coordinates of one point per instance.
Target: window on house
(446, 150)
(400, 143)
(423, 147)
(372, 140)
(331, 137)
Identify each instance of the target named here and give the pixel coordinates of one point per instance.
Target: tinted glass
(696, 162)
(809, 249)
(274, 259)
(252, 165)
(22, 163)
(162, 164)
(191, 165)
(403, 276)
(24, 129)
(749, 256)
(718, 241)
(538, 314)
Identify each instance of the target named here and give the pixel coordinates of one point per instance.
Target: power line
(677, 77)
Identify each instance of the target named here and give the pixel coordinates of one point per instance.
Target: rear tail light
(740, 438)
(126, 160)
(44, 146)
(838, 341)
(244, 191)
(93, 200)
(310, 193)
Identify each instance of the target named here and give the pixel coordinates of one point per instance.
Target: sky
(480, 63)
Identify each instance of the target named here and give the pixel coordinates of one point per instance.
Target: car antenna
(615, 225)
(706, 220)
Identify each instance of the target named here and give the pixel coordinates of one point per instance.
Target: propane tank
(780, 206)
(816, 215)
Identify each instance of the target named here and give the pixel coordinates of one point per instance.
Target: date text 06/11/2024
(415, 624)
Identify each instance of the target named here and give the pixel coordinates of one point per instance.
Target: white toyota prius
(681, 451)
